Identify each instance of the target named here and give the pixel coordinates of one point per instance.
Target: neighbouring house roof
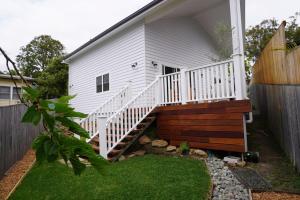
(6, 76)
(120, 23)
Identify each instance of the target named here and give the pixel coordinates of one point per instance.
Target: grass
(147, 177)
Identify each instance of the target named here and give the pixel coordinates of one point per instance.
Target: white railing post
(238, 49)
(183, 85)
(102, 136)
(158, 92)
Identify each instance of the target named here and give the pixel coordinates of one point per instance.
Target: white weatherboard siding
(114, 56)
(177, 41)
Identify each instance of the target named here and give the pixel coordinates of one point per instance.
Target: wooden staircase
(127, 141)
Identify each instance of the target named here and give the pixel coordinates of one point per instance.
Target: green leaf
(45, 104)
(32, 116)
(76, 114)
(62, 108)
(39, 141)
(78, 167)
(73, 126)
(40, 155)
(33, 93)
(48, 120)
(65, 99)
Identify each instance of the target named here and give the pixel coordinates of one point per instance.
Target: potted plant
(184, 149)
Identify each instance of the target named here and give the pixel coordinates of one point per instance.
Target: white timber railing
(206, 83)
(211, 82)
(119, 125)
(106, 109)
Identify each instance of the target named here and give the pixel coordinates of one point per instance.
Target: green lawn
(147, 177)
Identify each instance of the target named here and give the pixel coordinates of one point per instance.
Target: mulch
(274, 196)
(13, 176)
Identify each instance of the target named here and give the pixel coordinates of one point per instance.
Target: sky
(74, 22)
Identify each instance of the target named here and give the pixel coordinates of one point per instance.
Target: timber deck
(214, 125)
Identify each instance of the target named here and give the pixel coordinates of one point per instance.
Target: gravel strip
(15, 174)
(226, 186)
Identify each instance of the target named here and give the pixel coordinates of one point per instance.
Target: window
(169, 70)
(102, 83)
(15, 90)
(4, 92)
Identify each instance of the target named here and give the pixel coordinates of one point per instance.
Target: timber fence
(15, 137)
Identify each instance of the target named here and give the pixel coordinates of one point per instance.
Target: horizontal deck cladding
(217, 126)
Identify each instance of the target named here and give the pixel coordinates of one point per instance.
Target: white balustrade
(211, 82)
(119, 125)
(107, 109)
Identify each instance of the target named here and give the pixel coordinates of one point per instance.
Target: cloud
(73, 22)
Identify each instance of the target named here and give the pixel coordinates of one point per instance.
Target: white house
(167, 53)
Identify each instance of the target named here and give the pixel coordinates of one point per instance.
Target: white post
(102, 136)
(183, 85)
(158, 92)
(238, 49)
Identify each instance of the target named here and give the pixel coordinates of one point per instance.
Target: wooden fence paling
(15, 137)
(276, 65)
(280, 105)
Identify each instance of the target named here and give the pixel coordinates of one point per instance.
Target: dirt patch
(274, 196)
(15, 174)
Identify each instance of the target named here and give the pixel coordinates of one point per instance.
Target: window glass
(15, 95)
(99, 84)
(4, 92)
(105, 82)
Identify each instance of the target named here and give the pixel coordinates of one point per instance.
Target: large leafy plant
(57, 141)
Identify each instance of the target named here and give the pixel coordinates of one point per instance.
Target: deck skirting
(216, 126)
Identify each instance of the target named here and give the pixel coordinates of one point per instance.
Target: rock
(200, 153)
(131, 155)
(241, 164)
(159, 143)
(144, 140)
(122, 158)
(139, 152)
(170, 148)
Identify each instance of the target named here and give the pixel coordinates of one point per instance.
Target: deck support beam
(238, 49)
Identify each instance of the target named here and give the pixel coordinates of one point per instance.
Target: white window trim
(103, 84)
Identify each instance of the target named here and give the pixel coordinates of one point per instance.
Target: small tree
(57, 118)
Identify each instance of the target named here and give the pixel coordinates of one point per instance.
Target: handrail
(121, 123)
(129, 102)
(106, 102)
(211, 65)
(108, 108)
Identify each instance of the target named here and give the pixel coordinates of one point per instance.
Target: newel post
(183, 85)
(102, 136)
(238, 49)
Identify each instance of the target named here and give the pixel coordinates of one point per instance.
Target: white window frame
(102, 79)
